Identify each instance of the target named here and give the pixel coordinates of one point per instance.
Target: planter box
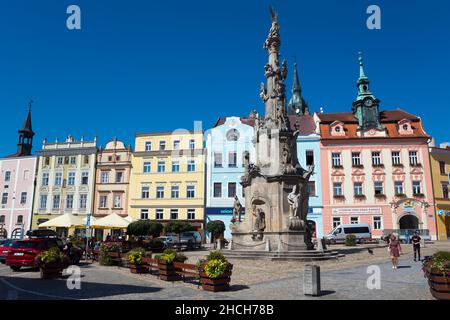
(51, 271)
(218, 284)
(167, 271)
(138, 269)
(439, 286)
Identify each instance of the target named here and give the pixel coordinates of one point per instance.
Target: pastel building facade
(226, 145)
(440, 168)
(168, 177)
(65, 180)
(17, 177)
(375, 168)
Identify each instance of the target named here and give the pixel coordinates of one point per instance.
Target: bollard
(311, 281)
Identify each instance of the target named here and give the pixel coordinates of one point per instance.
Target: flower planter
(217, 284)
(138, 269)
(51, 271)
(167, 271)
(439, 286)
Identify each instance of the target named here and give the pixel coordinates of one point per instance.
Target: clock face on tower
(368, 103)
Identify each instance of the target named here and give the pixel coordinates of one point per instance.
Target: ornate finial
(361, 66)
(273, 13)
(30, 104)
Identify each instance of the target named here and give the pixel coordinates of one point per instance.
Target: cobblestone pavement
(345, 279)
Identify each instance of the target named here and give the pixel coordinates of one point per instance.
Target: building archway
(409, 221)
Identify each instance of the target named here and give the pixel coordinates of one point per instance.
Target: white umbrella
(64, 221)
(112, 221)
(130, 219)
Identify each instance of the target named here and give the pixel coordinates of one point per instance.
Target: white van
(339, 234)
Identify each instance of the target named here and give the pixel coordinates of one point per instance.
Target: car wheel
(15, 268)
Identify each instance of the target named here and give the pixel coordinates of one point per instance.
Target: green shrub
(350, 240)
(145, 228)
(440, 262)
(170, 256)
(178, 227)
(216, 255)
(51, 256)
(215, 268)
(216, 228)
(104, 258)
(136, 256)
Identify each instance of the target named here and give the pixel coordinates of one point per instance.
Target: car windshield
(24, 244)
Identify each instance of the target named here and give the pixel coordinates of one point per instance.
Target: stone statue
(263, 92)
(237, 210)
(259, 224)
(294, 201)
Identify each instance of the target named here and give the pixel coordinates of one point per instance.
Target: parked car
(5, 245)
(340, 233)
(168, 241)
(193, 238)
(23, 252)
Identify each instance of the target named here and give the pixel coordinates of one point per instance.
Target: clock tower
(366, 107)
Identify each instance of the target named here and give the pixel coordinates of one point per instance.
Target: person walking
(416, 245)
(395, 250)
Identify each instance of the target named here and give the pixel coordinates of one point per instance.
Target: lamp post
(88, 229)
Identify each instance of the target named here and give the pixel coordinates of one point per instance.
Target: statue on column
(259, 223)
(293, 198)
(237, 210)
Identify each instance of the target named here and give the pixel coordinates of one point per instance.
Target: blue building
(308, 151)
(226, 145)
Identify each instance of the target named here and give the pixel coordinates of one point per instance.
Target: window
(60, 160)
(358, 189)
(160, 192)
(148, 147)
(43, 202)
(110, 158)
(69, 201)
(175, 166)
(445, 194)
(336, 159)
(377, 223)
(19, 219)
(105, 177)
(190, 192)
(309, 157)
(398, 186)
(23, 198)
(83, 201)
(232, 160)
(147, 167)
(217, 160)
(26, 175)
(191, 214)
(117, 202)
(117, 158)
(356, 159)
(73, 160)
(231, 189)
(103, 201)
(376, 158)
(413, 159)
(86, 159)
(217, 190)
(442, 167)
(2, 219)
(354, 220)
(192, 144)
(47, 161)
(119, 177)
(56, 201)
(159, 214)
(312, 188)
(7, 176)
(84, 178)
(45, 177)
(58, 178)
(175, 192)
(416, 187)
(145, 192)
(144, 214)
(161, 166)
(162, 145)
(71, 179)
(336, 222)
(396, 158)
(378, 187)
(66, 160)
(174, 214)
(5, 198)
(176, 145)
(337, 189)
(191, 166)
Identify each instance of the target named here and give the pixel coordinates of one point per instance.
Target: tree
(145, 228)
(178, 227)
(216, 228)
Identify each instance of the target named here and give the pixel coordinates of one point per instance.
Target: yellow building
(167, 178)
(440, 167)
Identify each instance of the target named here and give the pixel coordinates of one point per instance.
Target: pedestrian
(395, 250)
(416, 245)
(407, 237)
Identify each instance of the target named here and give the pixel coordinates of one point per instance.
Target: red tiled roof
(305, 124)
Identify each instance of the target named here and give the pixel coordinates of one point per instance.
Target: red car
(23, 252)
(4, 249)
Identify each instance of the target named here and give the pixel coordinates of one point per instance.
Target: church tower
(297, 105)
(366, 107)
(26, 135)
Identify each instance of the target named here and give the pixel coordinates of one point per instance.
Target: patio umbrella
(64, 221)
(112, 221)
(130, 219)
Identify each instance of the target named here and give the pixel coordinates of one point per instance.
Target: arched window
(2, 219)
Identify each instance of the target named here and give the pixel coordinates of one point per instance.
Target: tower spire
(26, 135)
(297, 104)
(363, 81)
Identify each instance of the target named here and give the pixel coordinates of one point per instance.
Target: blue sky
(141, 65)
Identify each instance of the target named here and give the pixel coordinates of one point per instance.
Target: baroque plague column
(275, 186)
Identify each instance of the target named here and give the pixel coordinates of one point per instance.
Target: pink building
(17, 175)
(375, 168)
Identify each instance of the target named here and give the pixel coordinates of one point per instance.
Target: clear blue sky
(140, 65)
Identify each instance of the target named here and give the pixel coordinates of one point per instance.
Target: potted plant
(215, 272)
(437, 269)
(135, 259)
(109, 253)
(166, 267)
(51, 263)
